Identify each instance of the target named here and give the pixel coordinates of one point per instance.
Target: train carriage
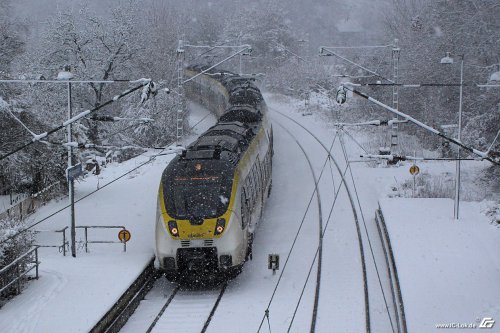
(211, 197)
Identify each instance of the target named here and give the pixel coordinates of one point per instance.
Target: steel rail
(370, 247)
(356, 220)
(175, 294)
(320, 238)
(291, 249)
(164, 307)
(214, 308)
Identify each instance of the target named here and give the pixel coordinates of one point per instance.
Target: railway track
(320, 226)
(356, 221)
(187, 310)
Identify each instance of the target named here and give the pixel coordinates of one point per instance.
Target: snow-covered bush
(493, 213)
(429, 186)
(10, 249)
(426, 30)
(475, 186)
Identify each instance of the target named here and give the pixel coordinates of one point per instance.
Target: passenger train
(211, 196)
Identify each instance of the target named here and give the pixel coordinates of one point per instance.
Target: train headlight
(220, 226)
(172, 227)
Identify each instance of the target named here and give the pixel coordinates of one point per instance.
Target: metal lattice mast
(395, 93)
(180, 94)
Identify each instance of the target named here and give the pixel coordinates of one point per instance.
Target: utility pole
(395, 95)
(457, 181)
(73, 171)
(71, 181)
(180, 93)
(447, 60)
(239, 42)
(67, 75)
(342, 97)
(393, 130)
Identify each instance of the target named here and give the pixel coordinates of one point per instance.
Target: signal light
(220, 226)
(172, 227)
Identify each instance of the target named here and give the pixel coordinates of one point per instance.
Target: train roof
(225, 141)
(230, 137)
(230, 80)
(245, 113)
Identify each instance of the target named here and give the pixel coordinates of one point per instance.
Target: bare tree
(428, 29)
(96, 48)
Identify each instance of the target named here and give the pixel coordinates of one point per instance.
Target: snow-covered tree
(266, 29)
(95, 48)
(426, 30)
(11, 44)
(12, 249)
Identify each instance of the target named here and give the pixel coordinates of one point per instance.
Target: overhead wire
(356, 222)
(291, 248)
(319, 249)
(357, 65)
(152, 158)
(324, 231)
(344, 151)
(123, 94)
(81, 115)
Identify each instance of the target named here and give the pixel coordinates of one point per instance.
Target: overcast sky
(319, 20)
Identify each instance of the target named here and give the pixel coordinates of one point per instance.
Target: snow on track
(188, 311)
(168, 308)
(149, 307)
(340, 246)
(341, 306)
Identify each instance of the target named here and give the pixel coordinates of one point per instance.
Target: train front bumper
(225, 252)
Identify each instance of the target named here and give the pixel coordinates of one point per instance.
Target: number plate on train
(197, 242)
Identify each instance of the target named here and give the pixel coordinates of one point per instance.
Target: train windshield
(198, 196)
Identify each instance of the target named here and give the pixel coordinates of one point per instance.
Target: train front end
(197, 229)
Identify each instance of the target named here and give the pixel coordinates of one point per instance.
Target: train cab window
(199, 198)
(191, 193)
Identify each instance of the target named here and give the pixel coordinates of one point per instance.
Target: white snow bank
(448, 270)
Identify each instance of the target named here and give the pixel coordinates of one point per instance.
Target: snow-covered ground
(72, 294)
(448, 269)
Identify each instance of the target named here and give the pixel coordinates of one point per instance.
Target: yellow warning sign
(124, 235)
(414, 170)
